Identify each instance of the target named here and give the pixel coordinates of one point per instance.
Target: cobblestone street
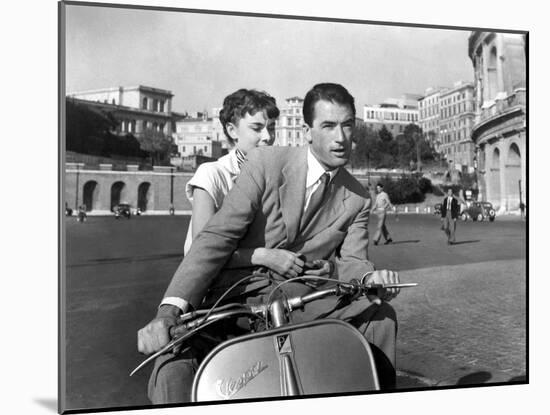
(464, 324)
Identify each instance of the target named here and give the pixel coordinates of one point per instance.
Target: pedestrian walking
(450, 209)
(82, 216)
(381, 205)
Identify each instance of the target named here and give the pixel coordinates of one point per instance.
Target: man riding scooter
(296, 204)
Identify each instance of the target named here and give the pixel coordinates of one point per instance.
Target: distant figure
(522, 209)
(82, 216)
(450, 209)
(68, 210)
(381, 205)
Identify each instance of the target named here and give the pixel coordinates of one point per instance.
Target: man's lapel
(292, 192)
(332, 208)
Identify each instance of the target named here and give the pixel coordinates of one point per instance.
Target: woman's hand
(286, 263)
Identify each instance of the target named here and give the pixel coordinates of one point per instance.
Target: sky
(202, 58)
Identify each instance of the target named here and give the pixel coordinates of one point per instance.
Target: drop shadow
(519, 379)
(47, 403)
(466, 242)
(474, 378)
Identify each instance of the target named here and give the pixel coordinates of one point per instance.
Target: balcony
(497, 111)
(501, 105)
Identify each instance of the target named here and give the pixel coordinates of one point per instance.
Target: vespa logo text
(226, 388)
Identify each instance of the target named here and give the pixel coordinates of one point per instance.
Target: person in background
(450, 209)
(381, 205)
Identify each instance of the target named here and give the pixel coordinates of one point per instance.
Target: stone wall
(101, 188)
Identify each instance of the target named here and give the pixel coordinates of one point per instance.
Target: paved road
(464, 324)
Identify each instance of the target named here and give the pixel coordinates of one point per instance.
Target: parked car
(478, 211)
(122, 210)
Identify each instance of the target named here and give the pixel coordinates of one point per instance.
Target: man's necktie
(316, 200)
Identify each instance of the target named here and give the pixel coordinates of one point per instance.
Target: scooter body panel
(319, 357)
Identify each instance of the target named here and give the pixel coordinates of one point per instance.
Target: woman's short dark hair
(328, 92)
(246, 101)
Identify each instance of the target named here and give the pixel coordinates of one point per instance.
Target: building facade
(194, 136)
(499, 129)
(456, 120)
(394, 113)
(289, 127)
(428, 113)
(138, 109)
(101, 188)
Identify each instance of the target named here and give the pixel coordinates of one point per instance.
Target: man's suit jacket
(263, 209)
(455, 208)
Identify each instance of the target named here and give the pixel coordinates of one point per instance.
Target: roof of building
(123, 88)
(114, 107)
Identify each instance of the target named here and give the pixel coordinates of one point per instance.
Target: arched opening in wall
(492, 79)
(144, 194)
(493, 189)
(89, 194)
(118, 194)
(513, 176)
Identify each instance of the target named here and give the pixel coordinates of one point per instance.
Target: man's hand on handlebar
(156, 334)
(383, 277)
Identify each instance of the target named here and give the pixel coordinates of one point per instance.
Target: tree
(87, 128)
(156, 144)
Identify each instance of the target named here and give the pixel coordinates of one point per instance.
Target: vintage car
(478, 211)
(122, 210)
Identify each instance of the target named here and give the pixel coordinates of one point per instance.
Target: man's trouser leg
(380, 226)
(385, 231)
(446, 227)
(172, 379)
(452, 229)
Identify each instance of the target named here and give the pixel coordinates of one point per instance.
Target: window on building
(155, 105)
(161, 109)
(145, 125)
(297, 134)
(194, 149)
(205, 149)
(144, 103)
(183, 149)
